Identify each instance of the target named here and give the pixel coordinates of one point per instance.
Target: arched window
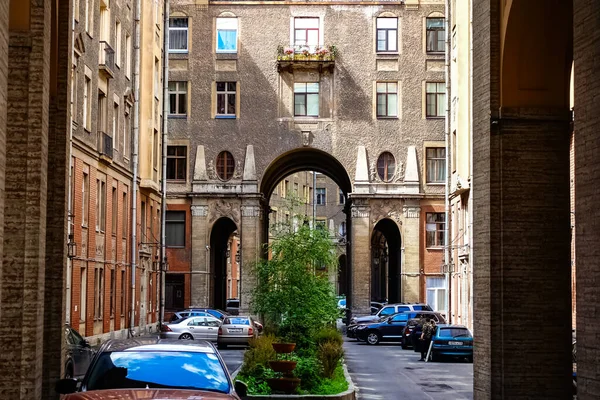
(386, 166)
(225, 165)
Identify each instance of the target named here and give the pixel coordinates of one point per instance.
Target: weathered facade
(376, 111)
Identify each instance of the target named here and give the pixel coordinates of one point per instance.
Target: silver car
(205, 327)
(236, 330)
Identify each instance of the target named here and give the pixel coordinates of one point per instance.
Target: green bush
(337, 384)
(257, 357)
(308, 370)
(329, 334)
(330, 353)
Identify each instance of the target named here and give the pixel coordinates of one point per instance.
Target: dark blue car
(452, 340)
(389, 329)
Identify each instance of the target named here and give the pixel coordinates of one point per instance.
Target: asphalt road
(233, 357)
(386, 372)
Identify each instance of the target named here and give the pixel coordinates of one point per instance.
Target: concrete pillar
(200, 269)
(250, 238)
(411, 264)
(587, 213)
(522, 257)
(360, 242)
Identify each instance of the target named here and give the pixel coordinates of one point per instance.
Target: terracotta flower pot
(282, 365)
(285, 385)
(283, 348)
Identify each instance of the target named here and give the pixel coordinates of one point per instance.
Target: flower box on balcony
(306, 57)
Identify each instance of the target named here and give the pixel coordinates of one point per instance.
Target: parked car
(181, 315)
(205, 327)
(126, 369)
(79, 353)
(389, 310)
(389, 329)
(351, 329)
(452, 340)
(236, 330)
(413, 329)
(212, 311)
(232, 306)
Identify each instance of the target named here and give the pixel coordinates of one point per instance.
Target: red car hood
(156, 394)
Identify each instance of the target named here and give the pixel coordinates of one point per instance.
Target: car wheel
(470, 359)
(434, 357)
(404, 346)
(373, 337)
(186, 336)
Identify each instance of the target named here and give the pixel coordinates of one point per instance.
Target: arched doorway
(316, 162)
(385, 262)
(342, 280)
(220, 255)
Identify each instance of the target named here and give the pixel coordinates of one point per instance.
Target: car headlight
(361, 327)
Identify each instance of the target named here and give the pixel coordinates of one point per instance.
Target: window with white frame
(87, 103)
(321, 199)
(436, 99)
(118, 43)
(436, 293)
(226, 92)
(227, 29)
(306, 33)
(306, 99)
(342, 197)
(387, 34)
(178, 35)
(178, 98)
(98, 292)
(387, 99)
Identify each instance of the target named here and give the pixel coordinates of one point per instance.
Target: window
(87, 104)
(342, 199)
(124, 218)
(176, 163)
(286, 188)
(306, 33)
(157, 86)
(104, 22)
(118, 43)
(123, 291)
(436, 293)
(387, 35)
(296, 190)
(144, 221)
(127, 55)
(435, 35)
(74, 89)
(85, 191)
(386, 166)
(436, 164)
(126, 132)
(387, 100)
(321, 199)
(227, 35)
(177, 98)
(321, 223)
(98, 292)
(306, 99)
(178, 35)
(435, 229)
(115, 211)
(113, 293)
(436, 99)
(342, 229)
(83, 294)
(226, 99)
(115, 123)
(225, 165)
(102, 109)
(175, 228)
(100, 205)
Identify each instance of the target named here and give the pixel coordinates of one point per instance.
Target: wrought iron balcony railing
(105, 145)
(106, 58)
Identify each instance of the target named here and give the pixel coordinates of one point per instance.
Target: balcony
(105, 146)
(106, 59)
(306, 57)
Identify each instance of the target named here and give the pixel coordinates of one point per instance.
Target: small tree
(294, 299)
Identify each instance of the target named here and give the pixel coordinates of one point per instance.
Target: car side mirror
(66, 386)
(241, 388)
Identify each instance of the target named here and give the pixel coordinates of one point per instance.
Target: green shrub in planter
(308, 371)
(329, 334)
(257, 357)
(329, 354)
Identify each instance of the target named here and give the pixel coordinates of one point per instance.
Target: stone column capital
(411, 211)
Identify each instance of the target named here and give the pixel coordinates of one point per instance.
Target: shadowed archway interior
(220, 234)
(386, 262)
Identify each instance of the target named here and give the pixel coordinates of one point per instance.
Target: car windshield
(455, 332)
(147, 369)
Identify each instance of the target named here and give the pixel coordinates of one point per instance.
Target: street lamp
(71, 247)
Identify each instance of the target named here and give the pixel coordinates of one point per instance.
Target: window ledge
(225, 117)
(436, 183)
(435, 248)
(226, 55)
(432, 117)
(177, 181)
(177, 116)
(175, 247)
(387, 118)
(388, 54)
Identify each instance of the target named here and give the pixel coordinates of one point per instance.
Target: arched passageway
(342, 280)
(386, 262)
(220, 236)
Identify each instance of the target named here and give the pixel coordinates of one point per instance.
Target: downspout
(448, 177)
(163, 250)
(470, 222)
(134, 160)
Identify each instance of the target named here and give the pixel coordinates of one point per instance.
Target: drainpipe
(447, 259)
(134, 160)
(470, 202)
(163, 252)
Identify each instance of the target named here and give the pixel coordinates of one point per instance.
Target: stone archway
(221, 233)
(386, 262)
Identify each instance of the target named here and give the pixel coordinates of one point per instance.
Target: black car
(389, 329)
(79, 354)
(413, 329)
